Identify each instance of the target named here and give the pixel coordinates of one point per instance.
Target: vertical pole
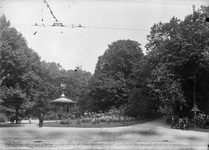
(194, 92)
(194, 105)
(16, 114)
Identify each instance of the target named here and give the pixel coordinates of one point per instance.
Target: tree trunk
(16, 114)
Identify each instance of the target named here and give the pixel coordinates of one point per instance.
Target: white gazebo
(64, 102)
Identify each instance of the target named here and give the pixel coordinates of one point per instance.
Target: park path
(149, 136)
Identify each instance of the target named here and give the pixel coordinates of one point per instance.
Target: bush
(140, 105)
(50, 116)
(2, 118)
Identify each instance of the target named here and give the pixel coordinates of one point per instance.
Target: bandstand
(63, 107)
(63, 104)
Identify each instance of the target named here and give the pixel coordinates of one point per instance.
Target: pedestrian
(78, 121)
(29, 118)
(41, 120)
(172, 122)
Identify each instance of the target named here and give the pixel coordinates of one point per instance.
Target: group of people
(182, 123)
(41, 119)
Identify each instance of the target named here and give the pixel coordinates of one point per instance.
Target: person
(41, 120)
(29, 118)
(172, 122)
(79, 121)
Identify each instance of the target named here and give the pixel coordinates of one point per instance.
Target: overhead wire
(112, 28)
(151, 1)
(109, 28)
(89, 27)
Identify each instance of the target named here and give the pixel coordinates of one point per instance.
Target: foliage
(137, 104)
(113, 81)
(75, 81)
(77, 84)
(18, 65)
(2, 118)
(178, 56)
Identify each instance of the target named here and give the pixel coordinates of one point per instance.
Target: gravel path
(146, 136)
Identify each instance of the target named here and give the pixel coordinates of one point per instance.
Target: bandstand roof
(63, 99)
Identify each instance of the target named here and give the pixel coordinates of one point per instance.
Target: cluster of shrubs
(89, 117)
(51, 115)
(57, 116)
(2, 118)
(103, 117)
(66, 121)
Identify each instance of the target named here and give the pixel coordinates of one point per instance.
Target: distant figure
(29, 118)
(78, 121)
(172, 122)
(41, 120)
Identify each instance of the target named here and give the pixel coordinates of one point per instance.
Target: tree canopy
(178, 55)
(18, 65)
(112, 81)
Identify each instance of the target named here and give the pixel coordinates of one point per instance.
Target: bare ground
(149, 135)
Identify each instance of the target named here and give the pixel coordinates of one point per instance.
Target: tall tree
(112, 81)
(18, 69)
(178, 55)
(77, 86)
(141, 102)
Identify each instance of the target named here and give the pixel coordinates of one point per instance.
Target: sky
(102, 21)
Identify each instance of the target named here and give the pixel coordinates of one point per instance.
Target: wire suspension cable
(155, 2)
(56, 23)
(50, 10)
(94, 27)
(112, 28)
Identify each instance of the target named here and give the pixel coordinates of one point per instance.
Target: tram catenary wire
(89, 27)
(152, 2)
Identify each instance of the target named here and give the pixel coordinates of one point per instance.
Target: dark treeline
(164, 81)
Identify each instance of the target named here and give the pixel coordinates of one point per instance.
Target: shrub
(2, 118)
(50, 116)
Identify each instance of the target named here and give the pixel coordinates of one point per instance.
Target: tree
(141, 102)
(112, 81)
(4, 23)
(18, 69)
(77, 83)
(177, 53)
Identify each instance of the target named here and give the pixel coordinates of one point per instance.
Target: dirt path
(149, 136)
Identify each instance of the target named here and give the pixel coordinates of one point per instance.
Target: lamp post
(195, 108)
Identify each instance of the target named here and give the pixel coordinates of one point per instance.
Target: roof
(63, 99)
